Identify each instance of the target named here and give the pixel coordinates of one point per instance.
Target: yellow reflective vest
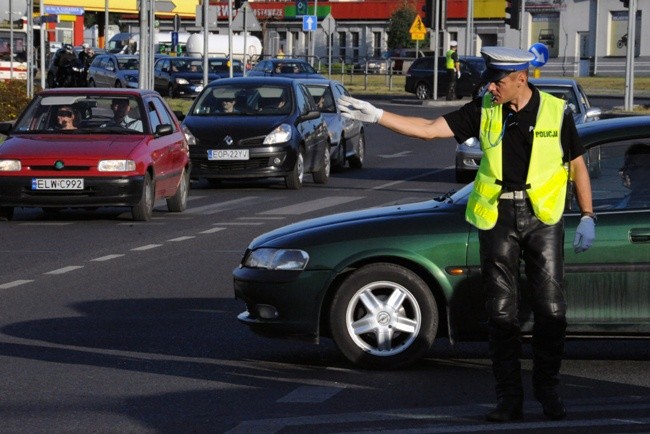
(450, 60)
(547, 175)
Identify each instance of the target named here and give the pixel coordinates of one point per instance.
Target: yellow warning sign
(417, 26)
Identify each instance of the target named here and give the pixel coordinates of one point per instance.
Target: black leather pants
(519, 234)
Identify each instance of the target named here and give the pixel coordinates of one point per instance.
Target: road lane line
(214, 208)
(261, 218)
(184, 238)
(312, 205)
(65, 269)
(239, 223)
(213, 230)
(147, 247)
(107, 257)
(311, 394)
(14, 284)
(401, 181)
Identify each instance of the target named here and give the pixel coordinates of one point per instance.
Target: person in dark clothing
(531, 150)
(66, 59)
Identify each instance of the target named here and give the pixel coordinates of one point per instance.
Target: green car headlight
(277, 259)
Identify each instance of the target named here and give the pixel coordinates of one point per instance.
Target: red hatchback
(86, 148)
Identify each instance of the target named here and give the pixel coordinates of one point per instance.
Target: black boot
(552, 405)
(508, 408)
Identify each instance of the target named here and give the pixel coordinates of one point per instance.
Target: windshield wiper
(446, 197)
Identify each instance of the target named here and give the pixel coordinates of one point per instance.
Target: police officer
(66, 59)
(453, 69)
(531, 149)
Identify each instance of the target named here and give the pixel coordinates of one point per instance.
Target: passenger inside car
(66, 118)
(635, 175)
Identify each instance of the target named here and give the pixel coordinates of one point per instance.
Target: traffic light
(513, 14)
(626, 3)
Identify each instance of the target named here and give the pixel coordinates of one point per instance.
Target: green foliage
(13, 99)
(400, 23)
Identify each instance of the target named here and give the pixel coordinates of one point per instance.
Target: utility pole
(629, 64)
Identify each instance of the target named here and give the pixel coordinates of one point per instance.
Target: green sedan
(384, 283)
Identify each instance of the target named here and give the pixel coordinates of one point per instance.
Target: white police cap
(501, 61)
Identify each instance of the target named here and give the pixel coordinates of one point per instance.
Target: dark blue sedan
(183, 76)
(292, 68)
(257, 127)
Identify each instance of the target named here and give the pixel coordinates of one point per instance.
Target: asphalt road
(107, 325)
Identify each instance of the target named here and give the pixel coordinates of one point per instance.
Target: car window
(620, 175)
(249, 99)
(163, 113)
(93, 114)
(152, 114)
(307, 102)
(128, 64)
(563, 92)
(323, 97)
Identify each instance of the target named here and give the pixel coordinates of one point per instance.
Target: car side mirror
(164, 130)
(313, 114)
(593, 113)
(5, 127)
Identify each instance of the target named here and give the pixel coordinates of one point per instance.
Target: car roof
(553, 81)
(254, 80)
(319, 81)
(100, 91)
(287, 60)
(605, 130)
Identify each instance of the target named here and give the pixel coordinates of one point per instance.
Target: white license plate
(57, 184)
(228, 154)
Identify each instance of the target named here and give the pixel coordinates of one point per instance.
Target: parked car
(419, 77)
(375, 65)
(347, 136)
(292, 68)
(114, 70)
(385, 282)
(258, 127)
(68, 150)
(183, 76)
(403, 58)
(469, 154)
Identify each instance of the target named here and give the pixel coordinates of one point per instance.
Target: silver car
(114, 70)
(347, 138)
(469, 154)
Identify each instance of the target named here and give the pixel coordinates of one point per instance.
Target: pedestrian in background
(531, 150)
(453, 69)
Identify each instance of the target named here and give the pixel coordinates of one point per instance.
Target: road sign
(252, 24)
(63, 10)
(417, 26)
(328, 24)
(540, 51)
(418, 30)
(164, 6)
(309, 23)
(301, 7)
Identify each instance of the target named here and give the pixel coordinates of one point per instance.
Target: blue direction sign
(63, 10)
(309, 23)
(540, 51)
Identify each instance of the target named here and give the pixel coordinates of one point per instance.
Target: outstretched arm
(421, 128)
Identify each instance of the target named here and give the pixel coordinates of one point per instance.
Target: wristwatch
(589, 214)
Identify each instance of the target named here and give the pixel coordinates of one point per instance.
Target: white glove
(458, 74)
(585, 234)
(356, 109)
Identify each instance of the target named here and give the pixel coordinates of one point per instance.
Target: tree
(399, 25)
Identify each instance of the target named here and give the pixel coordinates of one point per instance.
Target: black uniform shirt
(518, 136)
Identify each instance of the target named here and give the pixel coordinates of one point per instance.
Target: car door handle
(640, 235)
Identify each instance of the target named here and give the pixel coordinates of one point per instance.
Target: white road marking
(185, 238)
(211, 231)
(46, 223)
(260, 218)
(147, 247)
(239, 223)
(312, 205)
(107, 257)
(401, 181)
(65, 269)
(397, 155)
(214, 208)
(312, 394)
(14, 284)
